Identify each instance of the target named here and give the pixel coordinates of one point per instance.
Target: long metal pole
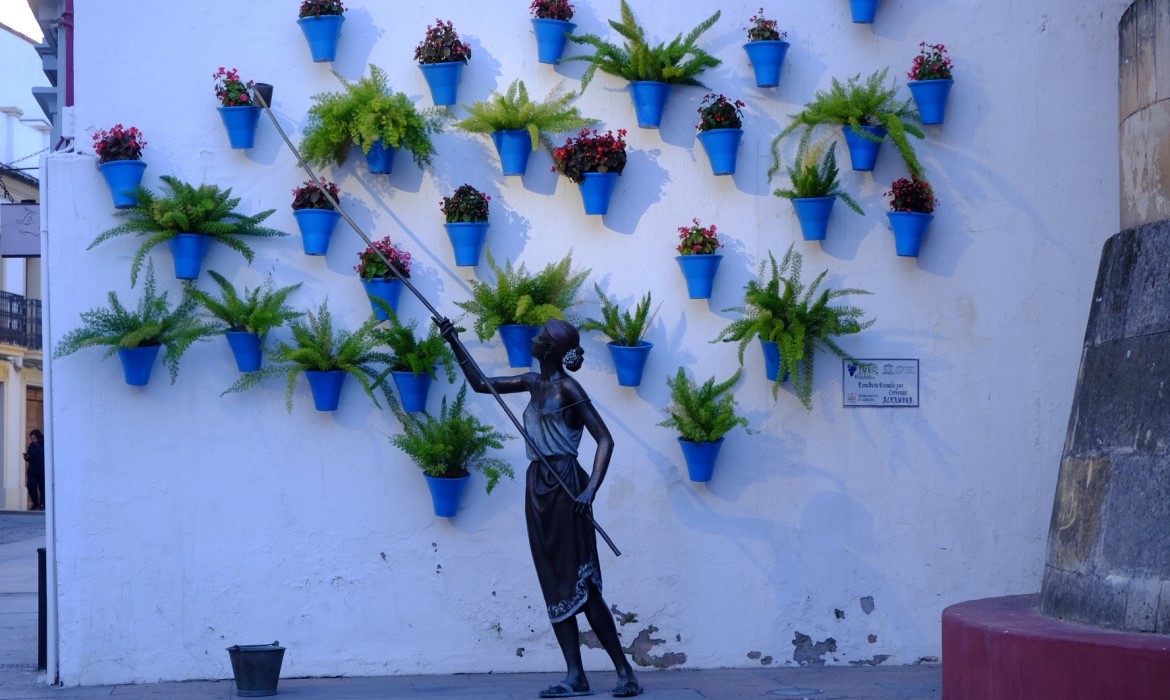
(435, 315)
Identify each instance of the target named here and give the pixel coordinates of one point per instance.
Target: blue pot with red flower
(596, 191)
(551, 37)
(767, 58)
(931, 98)
(322, 33)
(388, 291)
(909, 231)
(240, 123)
(467, 239)
(123, 178)
(443, 80)
(722, 146)
(317, 226)
(699, 272)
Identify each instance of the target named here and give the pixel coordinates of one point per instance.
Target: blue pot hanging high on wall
(137, 363)
(630, 361)
(317, 227)
(123, 178)
(380, 159)
(240, 123)
(518, 343)
(813, 214)
(322, 33)
(699, 273)
(649, 98)
(863, 152)
(326, 388)
(467, 239)
(700, 458)
(446, 494)
(596, 191)
(443, 80)
(864, 11)
(551, 37)
(246, 349)
(722, 146)
(514, 147)
(767, 57)
(931, 98)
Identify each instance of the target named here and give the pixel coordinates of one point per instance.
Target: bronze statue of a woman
(560, 531)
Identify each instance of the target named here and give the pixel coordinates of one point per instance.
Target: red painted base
(999, 648)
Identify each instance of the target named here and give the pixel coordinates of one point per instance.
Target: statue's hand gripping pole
(263, 94)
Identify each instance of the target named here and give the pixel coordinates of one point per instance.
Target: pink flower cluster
(442, 45)
(231, 91)
(371, 266)
(697, 239)
(552, 9)
(119, 143)
(931, 63)
(762, 29)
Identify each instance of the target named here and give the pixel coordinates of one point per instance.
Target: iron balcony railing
(20, 321)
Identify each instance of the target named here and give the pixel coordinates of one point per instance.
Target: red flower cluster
(717, 112)
(309, 196)
(442, 45)
(317, 8)
(697, 240)
(912, 195)
(371, 266)
(931, 63)
(764, 29)
(591, 152)
(231, 91)
(118, 143)
(552, 9)
(467, 205)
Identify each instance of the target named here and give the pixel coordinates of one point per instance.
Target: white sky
(16, 14)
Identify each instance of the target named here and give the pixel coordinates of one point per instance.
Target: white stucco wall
(188, 521)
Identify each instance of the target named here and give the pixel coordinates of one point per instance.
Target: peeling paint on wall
(877, 660)
(809, 654)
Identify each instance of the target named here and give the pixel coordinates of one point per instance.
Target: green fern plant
(318, 346)
(410, 353)
(814, 174)
(521, 297)
(364, 112)
(451, 444)
(779, 308)
(676, 63)
(153, 322)
(514, 110)
(857, 104)
(185, 208)
(619, 325)
(256, 311)
(702, 412)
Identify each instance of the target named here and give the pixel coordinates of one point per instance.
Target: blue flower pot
(518, 343)
(241, 124)
(412, 390)
(380, 159)
(630, 361)
(551, 37)
(864, 11)
(596, 191)
(514, 147)
(326, 388)
(443, 80)
(767, 57)
(813, 214)
(700, 457)
(317, 227)
(931, 98)
(772, 360)
(446, 494)
(188, 250)
(246, 349)
(387, 290)
(322, 34)
(863, 152)
(721, 146)
(699, 272)
(467, 241)
(137, 363)
(649, 101)
(909, 230)
(123, 178)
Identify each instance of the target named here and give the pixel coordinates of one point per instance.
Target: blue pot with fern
(380, 158)
(813, 214)
(772, 361)
(245, 349)
(514, 147)
(863, 150)
(188, 251)
(649, 98)
(137, 363)
(412, 389)
(630, 361)
(446, 493)
(326, 388)
(700, 458)
(517, 340)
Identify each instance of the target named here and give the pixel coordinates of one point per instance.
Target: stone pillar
(1144, 101)
(1109, 539)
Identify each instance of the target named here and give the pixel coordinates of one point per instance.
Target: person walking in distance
(34, 470)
